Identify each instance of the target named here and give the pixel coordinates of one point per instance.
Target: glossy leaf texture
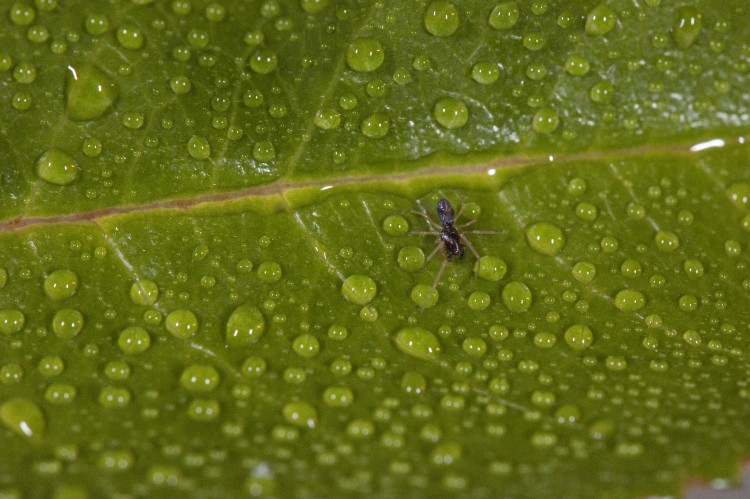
(212, 280)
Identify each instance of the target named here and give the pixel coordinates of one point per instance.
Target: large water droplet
(12, 320)
(629, 300)
(300, 414)
(182, 323)
(441, 18)
(687, 26)
(600, 20)
(57, 167)
(359, 289)
(418, 342)
(365, 55)
(23, 417)
(61, 284)
(504, 15)
(516, 296)
(245, 326)
(545, 238)
(89, 92)
(450, 112)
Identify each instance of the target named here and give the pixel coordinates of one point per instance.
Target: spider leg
(470, 222)
(480, 232)
(460, 210)
(418, 233)
(437, 247)
(471, 246)
(434, 284)
(428, 219)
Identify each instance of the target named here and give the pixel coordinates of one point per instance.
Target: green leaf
(212, 280)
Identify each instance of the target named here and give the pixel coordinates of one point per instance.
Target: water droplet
(545, 120)
(600, 20)
(182, 323)
(586, 211)
(490, 268)
(413, 382)
(204, 410)
(474, 347)
(134, 340)
(692, 338)
(23, 417)
(245, 326)
(66, 323)
(89, 93)
(395, 225)
(445, 454)
(441, 18)
(253, 367)
(306, 346)
(269, 272)
(130, 37)
(368, 313)
(544, 339)
(338, 396)
(421, 292)
(411, 258)
(630, 268)
(199, 378)
(579, 337)
(22, 14)
(687, 26)
(479, 300)
(365, 55)
(11, 320)
(545, 238)
(450, 113)
(263, 61)
(485, 72)
(57, 167)
(61, 284)
(144, 292)
(359, 289)
(693, 268)
(92, 147)
(313, 6)
(60, 393)
(732, 247)
(418, 342)
(24, 72)
(327, 119)
(577, 65)
(96, 24)
(739, 195)
(666, 241)
(115, 460)
(375, 126)
(300, 414)
(504, 15)
(516, 296)
(359, 429)
(584, 272)
(629, 300)
(198, 147)
(264, 151)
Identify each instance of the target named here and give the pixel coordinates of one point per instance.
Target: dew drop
(204, 410)
(600, 20)
(629, 300)
(182, 323)
(338, 396)
(66, 323)
(61, 284)
(327, 119)
(485, 72)
(545, 121)
(253, 367)
(300, 414)
(306, 346)
(359, 289)
(601, 92)
(411, 258)
(395, 225)
(441, 18)
(504, 16)
(475, 347)
(490, 268)
(23, 417)
(693, 268)
(450, 112)
(584, 272)
(739, 195)
(130, 37)
(516, 296)
(263, 61)
(544, 340)
(89, 93)
(199, 378)
(479, 300)
(424, 296)
(57, 167)
(269, 272)
(134, 340)
(313, 6)
(418, 343)
(144, 292)
(630, 268)
(365, 55)
(12, 320)
(579, 337)
(666, 241)
(198, 147)
(60, 393)
(264, 151)
(577, 65)
(375, 126)
(687, 26)
(545, 238)
(245, 326)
